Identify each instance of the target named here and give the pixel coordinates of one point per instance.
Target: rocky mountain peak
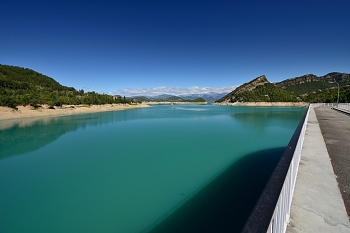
(261, 80)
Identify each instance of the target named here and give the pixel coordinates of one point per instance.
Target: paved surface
(317, 204)
(335, 127)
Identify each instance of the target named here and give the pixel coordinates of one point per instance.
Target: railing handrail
(271, 212)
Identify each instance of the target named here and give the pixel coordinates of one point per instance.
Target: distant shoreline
(267, 104)
(170, 103)
(7, 113)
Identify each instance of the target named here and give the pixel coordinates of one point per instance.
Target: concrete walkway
(317, 205)
(335, 128)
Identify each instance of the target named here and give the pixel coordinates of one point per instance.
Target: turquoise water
(154, 169)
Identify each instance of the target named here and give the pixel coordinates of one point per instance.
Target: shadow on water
(225, 204)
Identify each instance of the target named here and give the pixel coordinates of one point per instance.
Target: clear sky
(126, 47)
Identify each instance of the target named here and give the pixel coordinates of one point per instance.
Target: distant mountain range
(208, 97)
(306, 88)
(22, 86)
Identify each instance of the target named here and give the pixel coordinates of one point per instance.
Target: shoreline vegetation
(7, 113)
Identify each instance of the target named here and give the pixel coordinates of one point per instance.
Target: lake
(180, 168)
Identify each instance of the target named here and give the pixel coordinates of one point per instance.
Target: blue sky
(130, 47)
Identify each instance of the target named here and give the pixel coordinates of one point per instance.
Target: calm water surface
(160, 169)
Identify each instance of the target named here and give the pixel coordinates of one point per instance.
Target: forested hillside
(266, 93)
(258, 90)
(330, 96)
(20, 86)
(323, 89)
(307, 88)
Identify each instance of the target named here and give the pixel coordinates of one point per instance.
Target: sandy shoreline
(29, 112)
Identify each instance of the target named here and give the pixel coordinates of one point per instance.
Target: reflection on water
(191, 109)
(30, 135)
(261, 120)
(25, 135)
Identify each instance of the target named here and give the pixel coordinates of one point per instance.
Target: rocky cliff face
(261, 80)
(308, 78)
(339, 77)
(298, 80)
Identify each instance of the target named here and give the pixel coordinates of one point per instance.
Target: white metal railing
(280, 218)
(276, 199)
(315, 105)
(342, 106)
